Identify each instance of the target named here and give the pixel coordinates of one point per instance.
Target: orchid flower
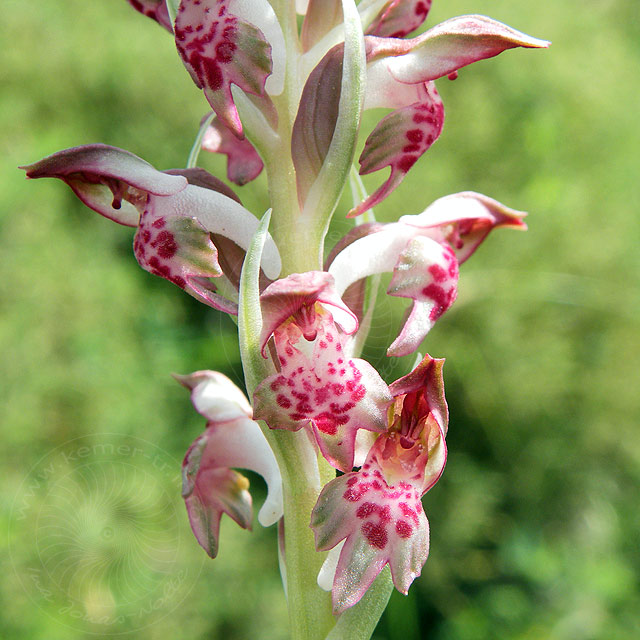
(176, 213)
(317, 385)
(210, 485)
(423, 252)
(286, 83)
(377, 510)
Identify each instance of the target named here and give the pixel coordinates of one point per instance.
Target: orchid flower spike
(377, 510)
(178, 213)
(318, 386)
(210, 485)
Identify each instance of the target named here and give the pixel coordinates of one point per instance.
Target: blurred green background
(535, 522)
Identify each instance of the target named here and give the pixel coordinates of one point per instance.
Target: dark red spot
(414, 135)
(385, 513)
(166, 244)
(375, 534)
(358, 393)
(178, 280)
(225, 52)
(437, 273)
(159, 223)
(326, 423)
(352, 495)
(406, 162)
(351, 481)
(408, 512)
(283, 401)
(403, 529)
(213, 78)
(366, 509)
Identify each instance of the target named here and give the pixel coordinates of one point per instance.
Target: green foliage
(534, 524)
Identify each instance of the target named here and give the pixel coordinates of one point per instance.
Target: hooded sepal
(296, 296)
(232, 439)
(177, 213)
(113, 182)
(399, 18)
(220, 48)
(423, 251)
(445, 48)
(463, 220)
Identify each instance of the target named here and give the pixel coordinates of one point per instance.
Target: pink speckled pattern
(320, 388)
(219, 49)
(377, 511)
(399, 140)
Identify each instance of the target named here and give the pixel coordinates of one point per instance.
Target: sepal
(447, 47)
(296, 295)
(463, 220)
(154, 9)
(423, 251)
(111, 181)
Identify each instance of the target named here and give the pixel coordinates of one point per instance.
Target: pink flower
(176, 212)
(377, 511)
(210, 485)
(318, 386)
(423, 252)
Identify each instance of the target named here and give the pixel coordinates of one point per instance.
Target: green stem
(360, 621)
(310, 616)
